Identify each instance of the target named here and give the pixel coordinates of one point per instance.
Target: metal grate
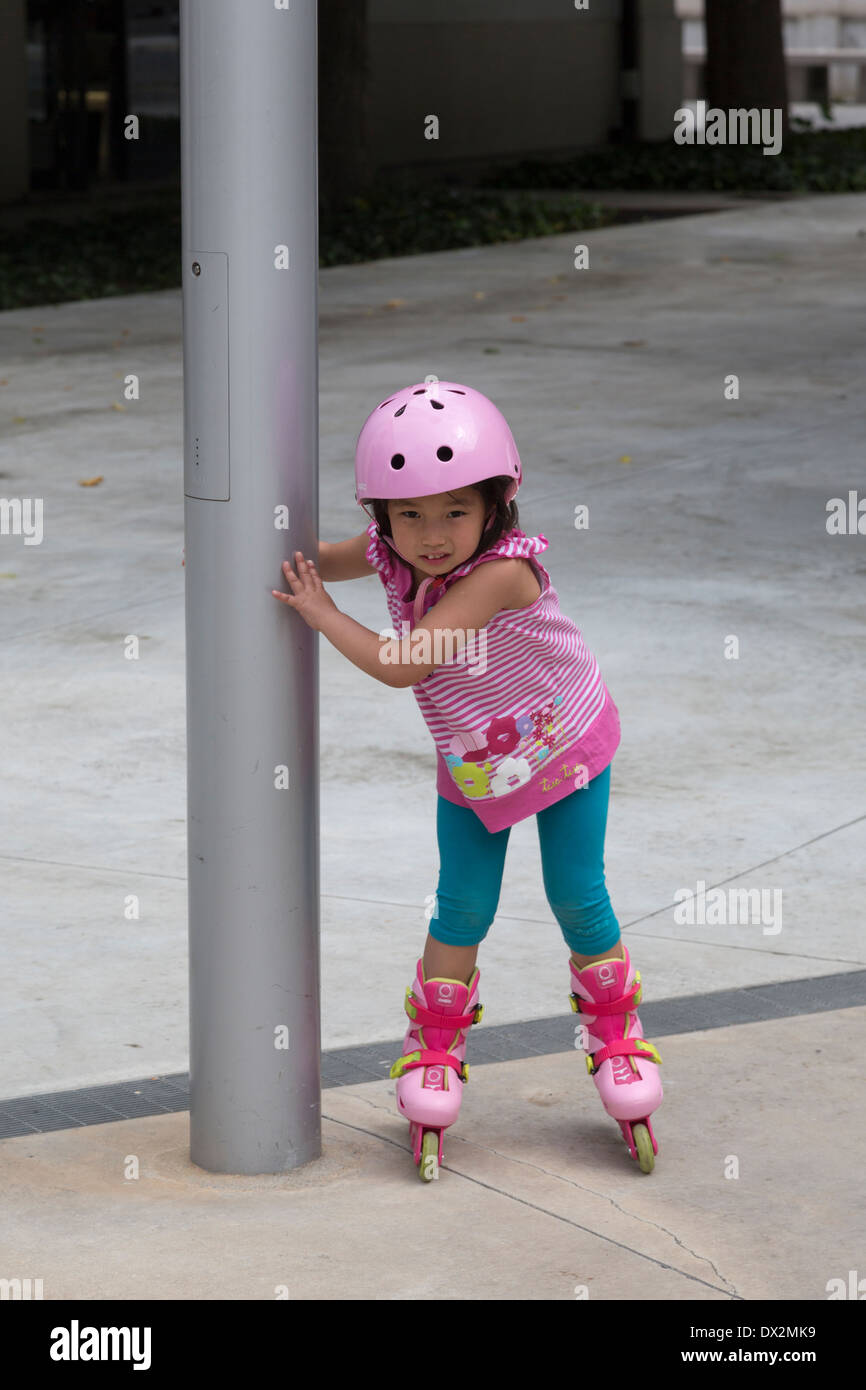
(509, 1042)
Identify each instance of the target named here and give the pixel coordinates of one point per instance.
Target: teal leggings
(571, 836)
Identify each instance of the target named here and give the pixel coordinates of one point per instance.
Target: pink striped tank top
(521, 717)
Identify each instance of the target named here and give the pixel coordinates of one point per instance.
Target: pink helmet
(432, 438)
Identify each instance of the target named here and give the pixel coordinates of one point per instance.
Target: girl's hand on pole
(308, 595)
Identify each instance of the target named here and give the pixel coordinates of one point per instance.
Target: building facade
(506, 79)
(825, 48)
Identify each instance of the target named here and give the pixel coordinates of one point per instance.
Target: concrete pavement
(707, 520)
(538, 1198)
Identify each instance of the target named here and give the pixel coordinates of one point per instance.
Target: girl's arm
(344, 559)
(454, 622)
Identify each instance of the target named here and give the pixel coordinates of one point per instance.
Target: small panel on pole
(206, 390)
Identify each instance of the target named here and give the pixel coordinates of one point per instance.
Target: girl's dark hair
(505, 515)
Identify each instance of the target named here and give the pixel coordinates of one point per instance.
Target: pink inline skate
(431, 1073)
(623, 1065)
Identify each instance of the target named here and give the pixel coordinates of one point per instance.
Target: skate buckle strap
(623, 1047)
(426, 1058)
(623, 1005)
(419, 1013)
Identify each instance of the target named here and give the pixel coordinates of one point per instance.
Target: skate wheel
(644, 1145)
(428, 1165)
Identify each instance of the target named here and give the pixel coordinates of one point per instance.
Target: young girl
(523, 725)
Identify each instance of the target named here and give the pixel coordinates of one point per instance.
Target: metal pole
(250, 267)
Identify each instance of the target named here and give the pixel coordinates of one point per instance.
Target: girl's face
(435, 534)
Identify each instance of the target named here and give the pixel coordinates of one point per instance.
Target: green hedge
(138, 249)
(809, 162)
(134, 249)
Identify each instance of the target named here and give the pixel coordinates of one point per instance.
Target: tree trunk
(343, 157)
(745, 56)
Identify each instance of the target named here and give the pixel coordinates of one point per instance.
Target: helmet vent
(420, 392)
(399, 412)
(397, 461)
(444, 453)
(455, 392)
(384, 403)
(437, 405)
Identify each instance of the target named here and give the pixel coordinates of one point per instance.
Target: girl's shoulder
(515, 545)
